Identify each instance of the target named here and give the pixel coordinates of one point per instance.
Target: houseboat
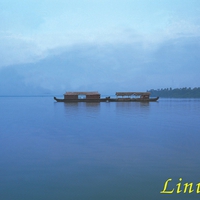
(96, 97)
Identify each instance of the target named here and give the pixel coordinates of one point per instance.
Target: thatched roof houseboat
(96, 97)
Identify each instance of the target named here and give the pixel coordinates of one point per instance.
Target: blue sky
(106, 45)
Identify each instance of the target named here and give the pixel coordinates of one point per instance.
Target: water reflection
(82, 108)
(131, 104)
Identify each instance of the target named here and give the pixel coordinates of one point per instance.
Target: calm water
(91, 151)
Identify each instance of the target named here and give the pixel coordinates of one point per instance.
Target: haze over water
(103, 151)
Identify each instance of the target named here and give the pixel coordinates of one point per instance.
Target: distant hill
(177, 92)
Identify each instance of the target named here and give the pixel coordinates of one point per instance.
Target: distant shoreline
(39, 95)
(176, 92)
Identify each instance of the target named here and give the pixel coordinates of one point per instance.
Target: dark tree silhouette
(176, 92)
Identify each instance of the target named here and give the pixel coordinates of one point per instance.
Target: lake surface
(98, 151)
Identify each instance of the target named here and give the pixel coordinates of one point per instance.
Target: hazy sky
(104, 45)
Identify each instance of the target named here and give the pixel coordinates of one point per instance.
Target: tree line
(176, 92)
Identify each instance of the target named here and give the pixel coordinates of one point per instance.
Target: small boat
(70, 97)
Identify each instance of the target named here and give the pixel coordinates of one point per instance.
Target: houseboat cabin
(127, 95)
(80, 95)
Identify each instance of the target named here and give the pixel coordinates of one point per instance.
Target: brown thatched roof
(132, 93)
(82, 93)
